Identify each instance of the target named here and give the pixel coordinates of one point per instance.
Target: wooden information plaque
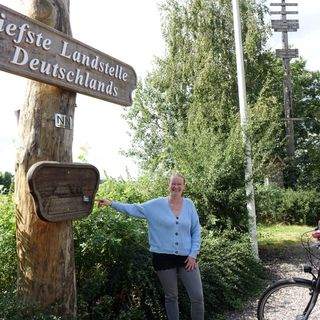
(63, 191)
(31, 49)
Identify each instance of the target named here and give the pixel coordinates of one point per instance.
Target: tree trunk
(46, 272)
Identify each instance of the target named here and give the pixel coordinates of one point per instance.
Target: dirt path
(285, 263)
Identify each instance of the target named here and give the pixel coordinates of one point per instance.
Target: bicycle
(276, 302)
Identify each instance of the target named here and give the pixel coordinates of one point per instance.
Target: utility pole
(243, 119)
(284, 26)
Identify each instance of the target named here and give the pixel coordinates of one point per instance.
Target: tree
(46, 272)
(6, 179)
(306, 102)
(185, 114)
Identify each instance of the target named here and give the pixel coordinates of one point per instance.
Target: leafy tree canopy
(185, 116)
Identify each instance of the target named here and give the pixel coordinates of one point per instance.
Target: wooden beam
(46, 269)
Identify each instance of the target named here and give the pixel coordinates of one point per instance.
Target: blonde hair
(178, 175)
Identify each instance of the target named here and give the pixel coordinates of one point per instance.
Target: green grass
(277, 236)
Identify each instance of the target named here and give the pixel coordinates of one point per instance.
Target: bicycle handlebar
(316, 234)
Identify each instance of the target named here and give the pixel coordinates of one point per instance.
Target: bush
(115, 278)
(279, 205)
(114, 269)
(9, 307)
(230, 272)
(11, 310)
(6, 182)
(8, 266)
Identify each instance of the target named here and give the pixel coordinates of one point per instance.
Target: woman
(174, 239)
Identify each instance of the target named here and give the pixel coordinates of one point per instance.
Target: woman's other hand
(190, 263)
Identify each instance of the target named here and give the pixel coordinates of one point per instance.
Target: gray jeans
(192, 282)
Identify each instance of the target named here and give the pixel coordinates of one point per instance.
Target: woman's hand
(190, 263)
(103, 202)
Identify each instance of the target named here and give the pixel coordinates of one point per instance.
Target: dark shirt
(162, 261)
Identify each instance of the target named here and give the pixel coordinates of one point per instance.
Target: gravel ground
(285, 263)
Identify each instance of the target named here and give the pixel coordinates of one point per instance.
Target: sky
(129, 31)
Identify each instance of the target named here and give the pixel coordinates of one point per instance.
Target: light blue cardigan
(167, 233)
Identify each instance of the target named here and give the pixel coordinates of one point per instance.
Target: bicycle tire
(287, 299)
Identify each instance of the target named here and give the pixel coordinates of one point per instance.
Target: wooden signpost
(51, 190)
(287, 53)
(31, 49)
(284, 26)
(63, 191)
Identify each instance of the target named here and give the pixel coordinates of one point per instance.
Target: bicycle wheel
(287, 299)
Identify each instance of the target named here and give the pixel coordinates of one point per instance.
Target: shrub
(114, 269)
(6, 182)
(230, 272)
(278, 205)
(8, 266)
(12, 310)
(115, 278)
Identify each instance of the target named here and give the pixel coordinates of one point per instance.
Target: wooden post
(288, 103)
(284, 26)
(46, 272)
